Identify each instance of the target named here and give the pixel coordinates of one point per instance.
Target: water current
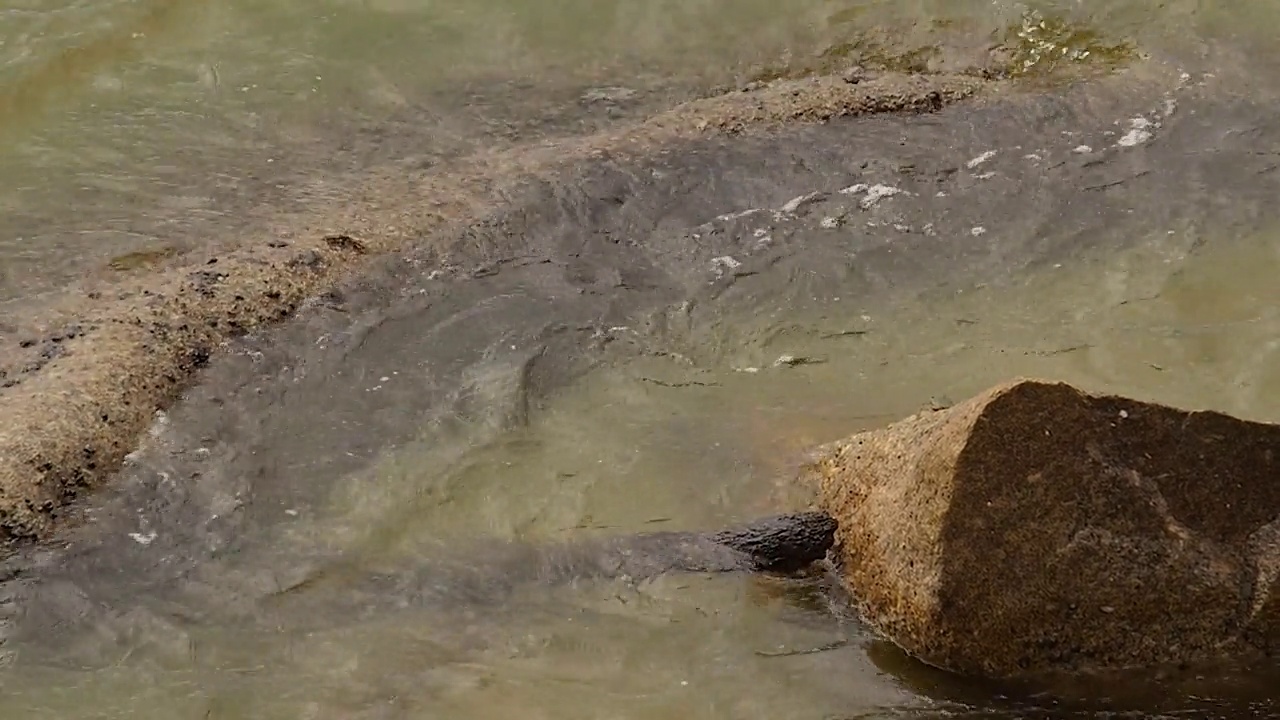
(134, 132)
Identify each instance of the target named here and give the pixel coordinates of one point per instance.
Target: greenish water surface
(130, 130)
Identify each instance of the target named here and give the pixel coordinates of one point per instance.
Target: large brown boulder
(1036, 528)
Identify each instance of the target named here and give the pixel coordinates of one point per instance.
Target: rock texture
(1035, 529)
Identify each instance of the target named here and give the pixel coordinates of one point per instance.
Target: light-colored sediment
(121, 353)
(1037, 529)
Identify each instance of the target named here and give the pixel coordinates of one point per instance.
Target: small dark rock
(199, 357)
(345, 242)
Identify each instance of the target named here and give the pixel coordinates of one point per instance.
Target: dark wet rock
(484, 574)
(1035, 529)
(346, 243)
(779, 543)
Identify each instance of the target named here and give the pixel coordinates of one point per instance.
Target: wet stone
(1036, 529)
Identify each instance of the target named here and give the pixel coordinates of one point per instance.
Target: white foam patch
(975, 162)
(796, 203)
(874, 193)
(1139, 132)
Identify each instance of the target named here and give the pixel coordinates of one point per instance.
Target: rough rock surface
(1036, 528)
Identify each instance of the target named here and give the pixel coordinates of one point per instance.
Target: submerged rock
(1035, 529)
(491, 572)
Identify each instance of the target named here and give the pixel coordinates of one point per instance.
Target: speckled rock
(1036, 529)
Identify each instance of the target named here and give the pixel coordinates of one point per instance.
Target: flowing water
(162, 123)
(618, 450)
(131, 132)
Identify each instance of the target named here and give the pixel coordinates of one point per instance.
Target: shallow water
(162, 121)
(166, 123)
(698, 438)
(620, 451)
